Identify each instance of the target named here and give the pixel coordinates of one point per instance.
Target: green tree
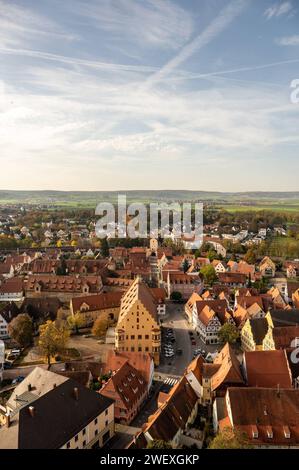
(250, 256)
(228, 333)
(21, 329)
(230, 439)
(104, 248)
(209, 274)
(158, 444)
(185, 265)
(53, 339)
(76, 321)
(100, 327)
(62, 269)
(176, 296)
(212, 254)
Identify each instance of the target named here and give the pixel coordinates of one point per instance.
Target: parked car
(7, 365)
(18, 379)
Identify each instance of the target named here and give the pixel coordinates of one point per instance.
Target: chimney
(76, 393)
(29, 388)
(7, 417)
(278, 390)
(31, 411)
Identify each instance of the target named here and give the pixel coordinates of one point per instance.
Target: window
(76, 438)
(132, 349)
(106, 412)
(146, 336)
(68, 445)
(106, 423)
(84, 443)
(96, 421)
(132, 336)
(139, 336)
(84, 432)
(96, 432)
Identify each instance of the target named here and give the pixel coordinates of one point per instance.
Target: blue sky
(149, 94)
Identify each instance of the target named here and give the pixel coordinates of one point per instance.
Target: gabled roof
(138, 291)
(142, 362)
(259, 328)
(267, 411)
(59, 415)
(229, 371)
(284, 336)
(267, 369)
(98, 301)
(174, 413)
(126, 385)
(12, 285)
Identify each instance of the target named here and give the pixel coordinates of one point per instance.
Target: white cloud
(278, 9)
(159, 23)
(288, 41)
(20, 25)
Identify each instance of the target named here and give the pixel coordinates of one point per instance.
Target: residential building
(2, 359)
(267, 267)
(143, 362)
(267, 369)
(128, 389)
(189, 306)
(55, 412)
(208, 317)
(62, 287)
(253, 333)
(12, 290)
(268, 416)
(7, 313)
(173, 419)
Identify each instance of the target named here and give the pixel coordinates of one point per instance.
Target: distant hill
(91, 198)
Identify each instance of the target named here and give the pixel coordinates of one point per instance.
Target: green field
(232, 202)
(272, 207)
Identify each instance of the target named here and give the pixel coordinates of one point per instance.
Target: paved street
(176, 320)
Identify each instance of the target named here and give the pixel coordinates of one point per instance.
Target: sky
(149, 94)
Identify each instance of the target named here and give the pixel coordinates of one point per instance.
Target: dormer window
(287, 432)
(255, 433)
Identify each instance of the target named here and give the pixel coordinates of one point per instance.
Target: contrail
(75, 61)
(217, 26)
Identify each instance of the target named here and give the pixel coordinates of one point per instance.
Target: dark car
(18, 379)
(7, 365)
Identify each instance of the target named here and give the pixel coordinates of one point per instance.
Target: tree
(185, 265)
(250, 256)
(230, 439)
(176, 296)
(228, 333)
(158, 444)
(62, 269)
(104, 248)
(209, 274)
(212, 254)
(53, 339)
(100, 326)
(21, 329)
(76, 321)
